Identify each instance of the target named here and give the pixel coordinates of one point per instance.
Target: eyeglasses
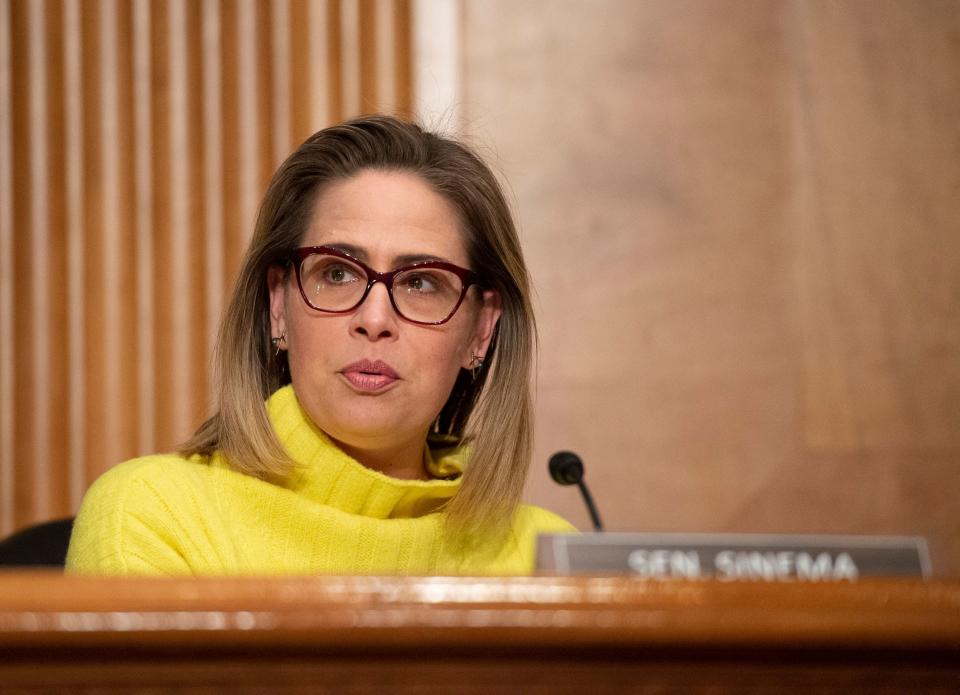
(334, 282)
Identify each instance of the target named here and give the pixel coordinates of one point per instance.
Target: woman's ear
(487, 318)
(277, 285)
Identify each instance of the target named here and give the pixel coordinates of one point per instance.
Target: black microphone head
(566, 468)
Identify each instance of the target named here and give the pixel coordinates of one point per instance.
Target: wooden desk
(466, 635)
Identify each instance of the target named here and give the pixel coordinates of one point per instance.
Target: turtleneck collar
(329, 476)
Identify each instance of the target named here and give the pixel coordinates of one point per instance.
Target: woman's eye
(420, 283)
(339, 274)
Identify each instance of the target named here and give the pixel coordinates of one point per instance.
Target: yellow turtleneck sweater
(165, 514)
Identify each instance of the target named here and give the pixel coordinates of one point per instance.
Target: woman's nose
(375, 318)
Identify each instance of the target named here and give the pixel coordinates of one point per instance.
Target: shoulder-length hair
(490, 411)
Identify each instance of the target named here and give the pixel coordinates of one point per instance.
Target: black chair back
(42, 545)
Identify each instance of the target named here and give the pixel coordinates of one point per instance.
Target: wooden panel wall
(743, 220)
(136, 139)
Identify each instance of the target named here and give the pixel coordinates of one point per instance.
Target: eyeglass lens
(331, 283)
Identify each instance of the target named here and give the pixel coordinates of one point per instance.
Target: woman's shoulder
(148, 478)
(152, 468)
(135, 516)
(540, 520)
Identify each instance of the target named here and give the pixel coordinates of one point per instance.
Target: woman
(374, 361)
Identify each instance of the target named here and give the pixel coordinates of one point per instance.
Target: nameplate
(734, 557)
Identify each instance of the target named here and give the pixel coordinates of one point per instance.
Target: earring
(275, 343)
(476, 362)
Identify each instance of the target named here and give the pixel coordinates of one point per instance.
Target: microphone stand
(591, 507)
(566, 468)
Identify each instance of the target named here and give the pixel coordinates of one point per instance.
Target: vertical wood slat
(159, 264)
(20, 432)
(385, 54)
(350, 29)
(108, 322)
(299, 45)
(90, 212)
(401, 69)
(74, 189)
(334, 57)
(280, 64)
(136, 139)
(194, 337)
(265, 109)
(368, 50)
(143, 177)
(55, 264)
(248, 125)
(39, 338)
(213, 166)
(7, 335)
(180, 186)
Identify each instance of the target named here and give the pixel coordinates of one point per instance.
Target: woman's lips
(370, 376)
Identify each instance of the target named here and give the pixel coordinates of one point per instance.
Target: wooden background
(744, 223)
(743, 219)
(136, 140)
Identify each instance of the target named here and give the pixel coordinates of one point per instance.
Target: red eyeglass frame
(467, 277)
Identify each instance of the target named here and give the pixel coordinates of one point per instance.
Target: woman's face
(386, 220)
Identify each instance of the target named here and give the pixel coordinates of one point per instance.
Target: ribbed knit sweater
(166, 514)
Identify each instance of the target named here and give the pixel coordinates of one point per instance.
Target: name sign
(734, 557)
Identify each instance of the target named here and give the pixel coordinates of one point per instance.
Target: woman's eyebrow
(350, 249)
(397, 261)
(411, 258)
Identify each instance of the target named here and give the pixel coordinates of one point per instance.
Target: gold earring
(275, 343)
(476, 362)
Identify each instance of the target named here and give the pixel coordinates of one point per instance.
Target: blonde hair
(490, 411)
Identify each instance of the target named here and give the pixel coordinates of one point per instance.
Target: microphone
(566, 468)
